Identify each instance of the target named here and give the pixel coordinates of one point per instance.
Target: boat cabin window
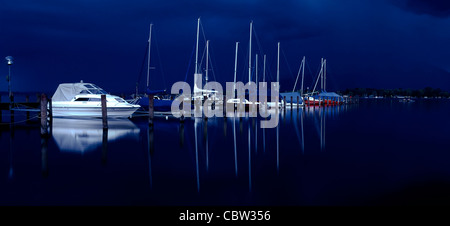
(88, 99)
(120, 100)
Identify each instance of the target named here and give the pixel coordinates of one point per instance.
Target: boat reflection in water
(82, 135)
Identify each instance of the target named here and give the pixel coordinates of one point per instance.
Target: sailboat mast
(278, 63)
(235, 63)
(256, 69)
(264, 69)
(321, 77)
(303, 76)
(250, 53)
(325, 75)
(207, 60)
(149, 45)
(196, 47)
(298, 74)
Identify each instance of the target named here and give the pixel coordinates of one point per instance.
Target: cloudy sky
(367, 43)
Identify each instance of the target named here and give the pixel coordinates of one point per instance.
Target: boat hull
(96, 112)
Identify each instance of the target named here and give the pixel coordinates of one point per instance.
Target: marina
(224, 110)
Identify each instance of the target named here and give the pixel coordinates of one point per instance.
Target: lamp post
(9, 60)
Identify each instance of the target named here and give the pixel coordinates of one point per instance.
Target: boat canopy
(329, 94)
(67, 91)
(294, 96)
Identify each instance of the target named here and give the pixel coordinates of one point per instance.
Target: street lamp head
(9, 59)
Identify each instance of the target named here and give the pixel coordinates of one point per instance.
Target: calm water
(375, 152)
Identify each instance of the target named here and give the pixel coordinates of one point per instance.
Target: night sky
(367, 43)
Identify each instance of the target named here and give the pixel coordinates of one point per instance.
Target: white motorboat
(84, 100)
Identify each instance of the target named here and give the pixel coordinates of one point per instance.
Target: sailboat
(292, 97)
(280, 103)
(236, 101)
(200, 93)
(323, 97)
(160, 104)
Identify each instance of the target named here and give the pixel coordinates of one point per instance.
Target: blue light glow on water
(374, 152)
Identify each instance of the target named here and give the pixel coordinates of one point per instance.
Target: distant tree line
(426, 92)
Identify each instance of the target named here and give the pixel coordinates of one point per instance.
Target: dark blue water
(377, 152)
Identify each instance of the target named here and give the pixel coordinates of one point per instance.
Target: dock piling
(224, 106)
(182, 112)
(104, 112)
(50, 109)
(151, 112)
(291, 103)
(44, 117)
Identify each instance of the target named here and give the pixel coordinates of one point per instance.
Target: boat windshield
(93, 89)
(120, 100)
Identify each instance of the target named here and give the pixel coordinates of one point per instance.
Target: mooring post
(44, 116)
(224, 106)
(50, 109)
(151, 112)
(207, 109)
(182, 112)
(298, 98)
(104, 112)
(291, 103)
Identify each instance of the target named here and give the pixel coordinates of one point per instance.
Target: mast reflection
(235, 149)
(150, 151)
(249, 160)
(196, 122)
